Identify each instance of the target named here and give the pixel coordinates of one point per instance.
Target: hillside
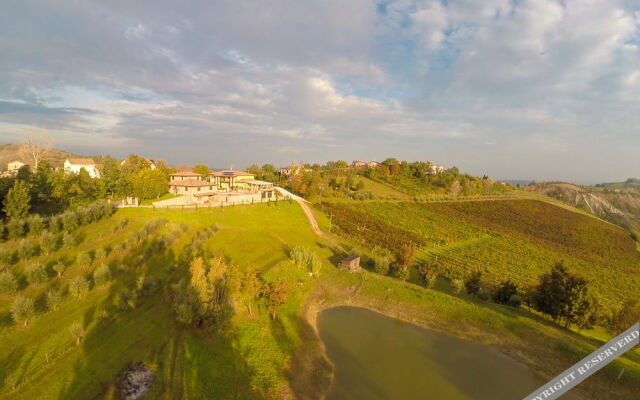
(10, 152)
(618, 203)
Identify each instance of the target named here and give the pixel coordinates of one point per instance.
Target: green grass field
(259, 357)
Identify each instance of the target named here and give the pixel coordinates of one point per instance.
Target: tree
(48, 242)
(83, 260)
(407, 256)
(102, 275)
(77, 332)
(150, 183)
(473, 283)
(79, 287)
(382, 265)
(15, 228)
(26, 249)
(504, 292)
(35, 146)
(54, 299)
(59, 267)
(428, 274)
(36, 273)
(456, 285)
(68, 240)
(621, 319)
(22, 310)
(275, 295)
(36, 224)
(100, 254)
(202, 170)
(8, 282)
(251, 286)
(16, 204)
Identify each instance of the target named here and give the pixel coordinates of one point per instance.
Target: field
(260, 357)
(508, 239)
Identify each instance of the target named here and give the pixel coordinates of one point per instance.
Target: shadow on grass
(138, 325)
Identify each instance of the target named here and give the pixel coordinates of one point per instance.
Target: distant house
(185, 175)
(75, 165)
(350, 263)
(373, 164)
(15, 165)
(293, 169)
(435, 169)
(357, 164)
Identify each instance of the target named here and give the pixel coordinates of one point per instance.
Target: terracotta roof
(185, 173)
(191, 183)
(201, 194)
(81, 161)
(352, 258)
(231, 173)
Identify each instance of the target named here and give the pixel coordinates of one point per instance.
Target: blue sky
(538, 89)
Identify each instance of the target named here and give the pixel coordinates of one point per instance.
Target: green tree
(428, 274)
(382, 265)
(83, 260)
(36, 224)
(77, 332)
(8, 282)
(48, 242)
(150, 183)
(36, 273)
(59, 267)
(473, 283)
(251, 286)
(54, 299)
(202, 170)
(17, 202)
(15, 228)
(79, 287)
(22, 310)
(102, 275)
(505, 291)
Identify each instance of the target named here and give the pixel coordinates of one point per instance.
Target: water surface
(377, 357)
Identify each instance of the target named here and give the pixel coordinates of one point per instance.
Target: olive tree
(54, 299)
(79, 287)
(22, 310)
(48, 242)
(8, 282)
(36, 273)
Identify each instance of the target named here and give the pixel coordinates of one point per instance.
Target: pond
(376, 357)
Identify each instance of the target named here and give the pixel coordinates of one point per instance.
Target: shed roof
(351, 258)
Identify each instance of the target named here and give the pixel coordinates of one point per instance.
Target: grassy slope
(262, 358)
(522, 240)
(10, 152)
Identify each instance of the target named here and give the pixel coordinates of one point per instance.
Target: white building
(15, 165)
(75, 165)
(435, 169)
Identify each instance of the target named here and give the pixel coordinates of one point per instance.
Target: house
(435, 169)
(231, 179)
(293, 169)
(373, 164)
(75, 165)
(15, 165)
(350, 263)
(191, 185)
(357, 164)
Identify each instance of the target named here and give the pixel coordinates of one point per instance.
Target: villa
(75, 165)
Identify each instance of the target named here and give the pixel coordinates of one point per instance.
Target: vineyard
(509, 239)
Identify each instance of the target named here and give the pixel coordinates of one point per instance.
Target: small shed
(350, 263)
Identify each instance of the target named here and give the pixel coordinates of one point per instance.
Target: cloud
(243, 82)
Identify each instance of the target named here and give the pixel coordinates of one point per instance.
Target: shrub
(79, 287)
(59, 267)
(515, 301)
(456, 285)
(35, 224)
(83, 260)
(70, 221)
(15, 229)
(77, 332)
(55, 224)
(54, 299)
(68, 240)
(382, 265)
(36, 273)
(100, 254)
(402, 271)
(473, 282)
(505, 291)
(26, 249)
(306, 258)
(22, 310)
(428, 275)
(48, 242)
(8, 282)
(6, 255)
(102, 275)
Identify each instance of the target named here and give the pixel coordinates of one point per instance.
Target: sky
(544, 89)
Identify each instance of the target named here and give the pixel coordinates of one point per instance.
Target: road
(305, 207)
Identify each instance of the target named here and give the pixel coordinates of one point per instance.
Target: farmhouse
(189, 184)
(435, 169)
(293, 169)
(357, 164)
(75, 165)
(12, 169)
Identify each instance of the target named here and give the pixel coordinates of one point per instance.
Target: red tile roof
(231, 173)
(191, 183)
(81, 161)
(185, 173)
